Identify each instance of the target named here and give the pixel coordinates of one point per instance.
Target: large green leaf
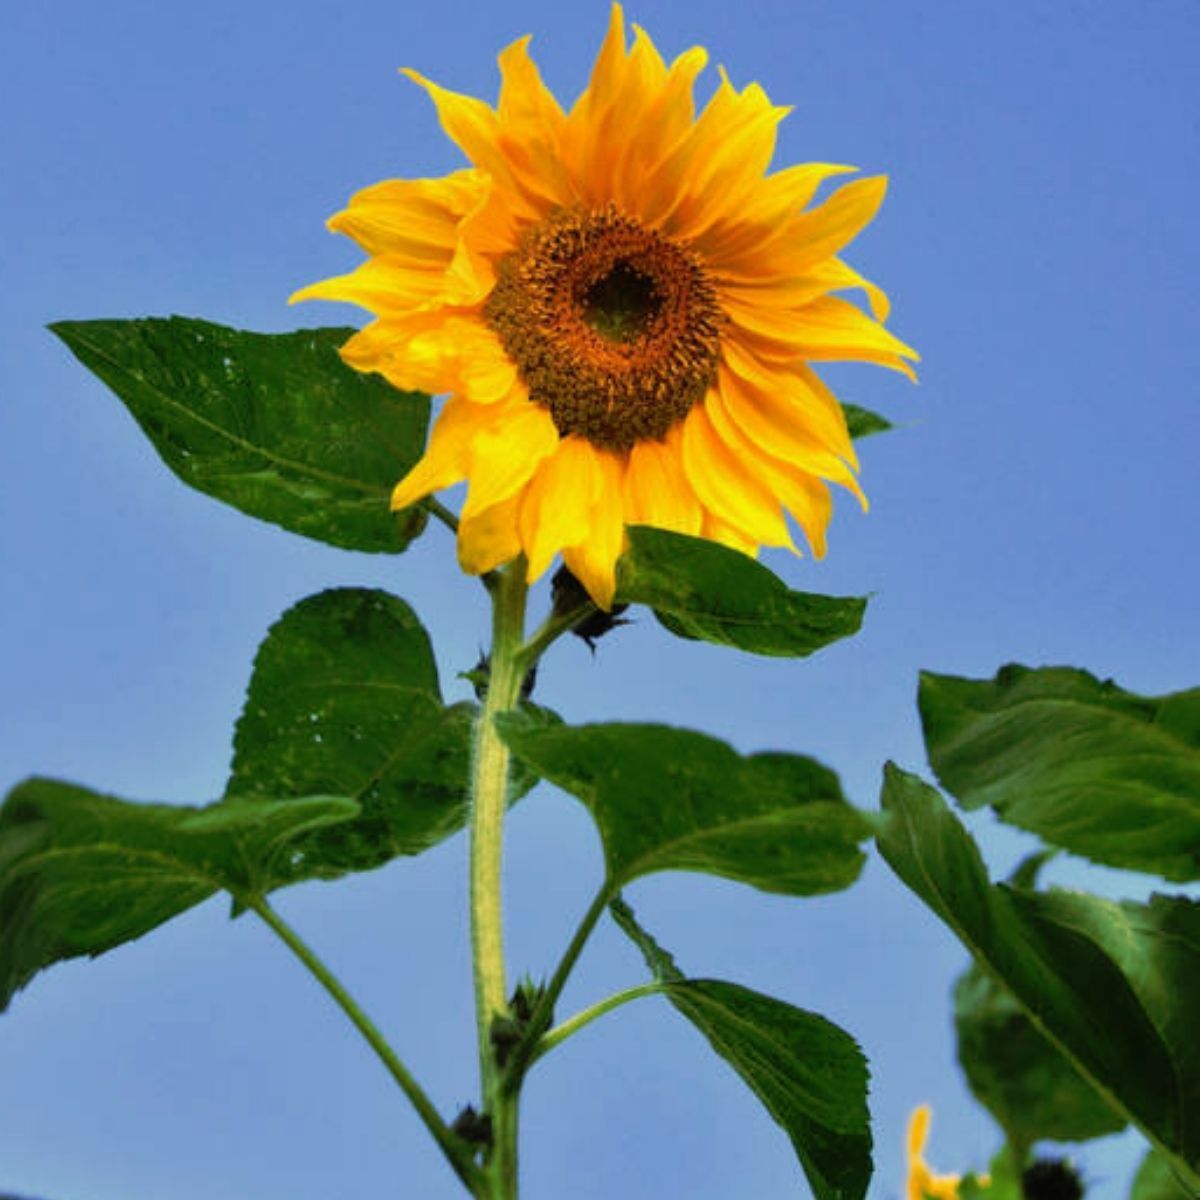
(809, 1074)
(668, 799)
(1020, 1077)
(81, 873)
(274, 424)
(1087, 766)
(701, 590)
(1156, 1181)
(1116, 987)
(344, 700)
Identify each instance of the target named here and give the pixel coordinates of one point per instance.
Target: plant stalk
(455, 1151)
(489, 799)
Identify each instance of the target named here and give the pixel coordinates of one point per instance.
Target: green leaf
(1116, 987)
(81, 873)
(809, 1074)
(274, 424)
(668, 799)
(704, 591)
(1002, 1182)
(1156, 1181)
(862, 422)
(344, 700)
(1017, 1075)
(1089, 767)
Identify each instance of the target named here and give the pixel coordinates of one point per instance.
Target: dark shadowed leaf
(1116, 987)
(809, 1074)
(1080, 762)
(1015, 1073)
(344, 700)
(274, 424)
(81, 873)
(704, 591)
(668, 799)
(1020, 1077)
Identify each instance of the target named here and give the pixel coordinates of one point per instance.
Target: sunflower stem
(489, 798)
(572, 1025)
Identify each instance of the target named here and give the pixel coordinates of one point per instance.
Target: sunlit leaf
(1116, 987)
(1080, 762)
(1156, 1181)
(703, 591)
(274, 424)
(81, 873)
(809, 1074)
(344, 700)
(667, 799)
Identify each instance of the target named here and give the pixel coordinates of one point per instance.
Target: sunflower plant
(617, 312)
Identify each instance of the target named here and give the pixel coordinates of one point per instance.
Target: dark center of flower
(621, 306)
(614, 328)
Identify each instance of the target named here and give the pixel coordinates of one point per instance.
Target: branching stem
(455, 1150)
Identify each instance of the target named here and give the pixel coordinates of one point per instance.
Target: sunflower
(923, 1184)
(622, 307)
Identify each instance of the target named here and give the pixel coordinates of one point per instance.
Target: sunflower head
(923, 1184)
(622, 304)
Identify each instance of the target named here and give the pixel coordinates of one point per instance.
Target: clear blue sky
(1039, 504)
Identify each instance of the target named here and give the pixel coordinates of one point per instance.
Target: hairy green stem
(489, 797)
(455, 1151)
(573, 1025)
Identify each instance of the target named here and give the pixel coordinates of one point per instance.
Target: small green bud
(473, 1127)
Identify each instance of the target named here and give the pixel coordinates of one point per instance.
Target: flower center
(614, 328)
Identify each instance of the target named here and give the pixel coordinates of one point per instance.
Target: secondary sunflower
(622, 306)
(923, 1184)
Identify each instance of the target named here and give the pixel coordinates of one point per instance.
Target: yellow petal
(475, 127)
(731, 146)
(506, 452)
(800, 492)
(381, 284)
(415, 217)
(717, 530)
(593, 561)
(489, 538)
(558, 502)
(776, 199)
(778, 429)
(726, 487)
(833, 330)
(444, 462)
(657, 491)
(485, 372)
(805, 239)
(794, 392)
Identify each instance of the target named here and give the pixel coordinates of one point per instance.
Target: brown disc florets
(614, 328)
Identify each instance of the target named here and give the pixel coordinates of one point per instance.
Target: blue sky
(1037, 504)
